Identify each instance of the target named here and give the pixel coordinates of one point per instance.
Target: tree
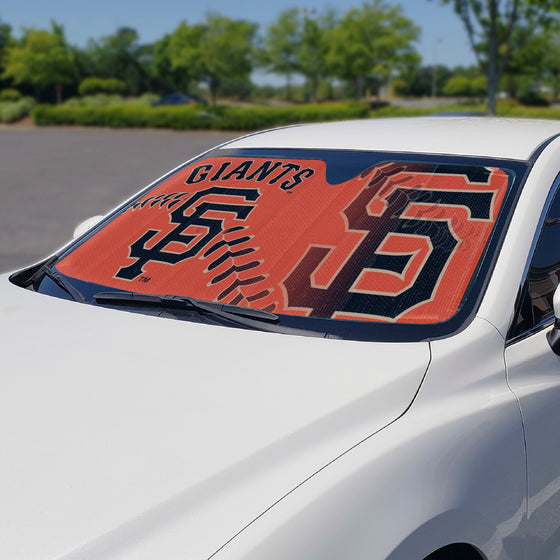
(177, 56)
(41, 58)
(281, 46)
(313, 48)
(370, 43)
(121, 56)
(497, 30)
(226, 51)
(463, 86)
(167, 69)
(537, 64)
(550, 61)
(5, 40)
(218, 49)
(417, 81)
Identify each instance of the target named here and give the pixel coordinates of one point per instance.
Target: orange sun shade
(399, 242)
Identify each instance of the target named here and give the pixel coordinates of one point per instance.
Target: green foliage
(312, 54)
(371, 42)
(463, 86)
(418, 81)
(226, 50)
(91, 86)
(541, 62)
(398, 111)
(5, 41)
(479, 86)
(97, 100)
(533, 99)
(401, 87)
(10, 94)
(119, 56)
(218, 49)
(457, 86)
(281, 46)
(390, 111)
(41, 58)
(106, 100)
(12, 111)
(499, 31)
(178, 53)
(145, 99)
(170, 75)
(529, 112)
(191, 116)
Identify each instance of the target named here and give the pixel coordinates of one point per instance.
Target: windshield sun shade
(395, 242)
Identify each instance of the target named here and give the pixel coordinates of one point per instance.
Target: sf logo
(214, 226)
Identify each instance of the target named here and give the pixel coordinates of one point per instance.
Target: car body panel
(169, 426)
(468, 136)
(534, 375)
(452, 469)
(499, 301)
(134, 437)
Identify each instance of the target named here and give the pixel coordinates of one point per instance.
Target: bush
(10, 94)
(530, 112)
(479, 86)
(97, 100)
(457, 86)
(106, 100)
(192, 117)
(12, 111)
(533, 99)
(144, 99)
(91, 86)
(400, 87)
(396, 111)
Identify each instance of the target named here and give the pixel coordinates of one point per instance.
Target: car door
(533, 371)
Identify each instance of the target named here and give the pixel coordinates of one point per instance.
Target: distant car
(178, 99)
(321, 342)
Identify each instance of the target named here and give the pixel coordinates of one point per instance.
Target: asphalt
(53, 178)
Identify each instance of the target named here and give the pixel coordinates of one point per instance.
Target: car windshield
(330, 240)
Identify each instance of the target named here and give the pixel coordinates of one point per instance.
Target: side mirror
(88, 223)
(554, 335)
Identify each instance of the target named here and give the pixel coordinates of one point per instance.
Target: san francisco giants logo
(200, 208)
(340, 296)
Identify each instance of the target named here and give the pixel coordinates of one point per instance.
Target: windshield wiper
(61, 282)
(257, 319)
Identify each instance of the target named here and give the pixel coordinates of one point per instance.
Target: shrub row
(196, 117)
(530, 112)
(12, 111)
(10, 94)
(106, 99)
(505, 108)
(91, 86)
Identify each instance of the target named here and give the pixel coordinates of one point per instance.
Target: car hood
(129, 436)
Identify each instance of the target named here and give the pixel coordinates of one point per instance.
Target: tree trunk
(492, 60)
(315, 89)
(288, 83)
(330, 95)
(360, 83)
(214, 83)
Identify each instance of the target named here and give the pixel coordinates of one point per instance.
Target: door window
(535, 306)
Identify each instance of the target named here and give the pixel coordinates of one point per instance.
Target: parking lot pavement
(53, 178)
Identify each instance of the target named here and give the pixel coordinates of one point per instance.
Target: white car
(322, 342)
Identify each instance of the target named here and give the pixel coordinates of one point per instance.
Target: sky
(443, 39)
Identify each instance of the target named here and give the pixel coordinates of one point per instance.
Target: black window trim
(549, 320)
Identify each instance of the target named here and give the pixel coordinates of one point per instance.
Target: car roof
(472, 136)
